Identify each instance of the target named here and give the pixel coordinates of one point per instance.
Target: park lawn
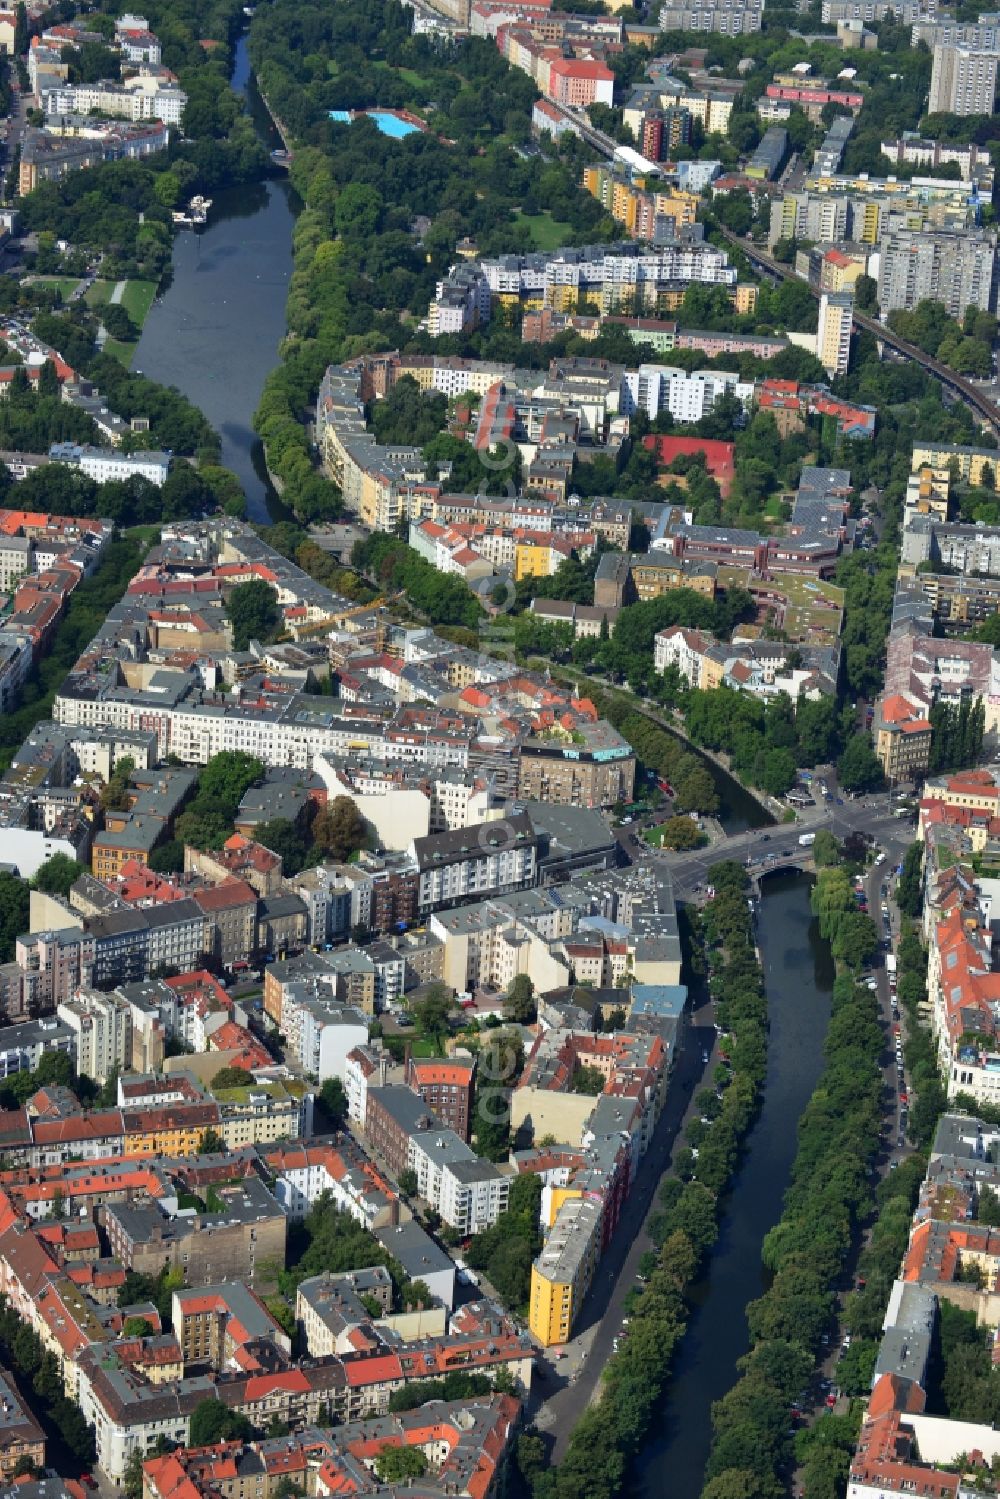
(547, 233)
(409, 77)
(149, 534)
(67, 285)
(124, 353)
(98, 294)
(137, 299)
(422, 1046)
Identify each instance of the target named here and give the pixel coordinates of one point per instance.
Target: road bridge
(766, 850)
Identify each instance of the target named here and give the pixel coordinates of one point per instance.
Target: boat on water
(195, 213)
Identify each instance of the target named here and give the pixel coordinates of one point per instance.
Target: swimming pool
(389, 124)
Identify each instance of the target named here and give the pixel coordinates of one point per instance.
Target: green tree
(132, 1483)
(695, 791)
(395, 1464)
(910, 886)
(135, 1327)
(333, 1100)
(231, 1077)
(58, 874)
(282, 1314)
(213, 1422)
(430, 1014)
(211, 1143)
(858, 767)
(520, 1005)
(339, 829)
(13, 913)
(285, 839)
(359, 208)
(118, 322)
(826, 849)
(253, 613)
(408, 1183)
(680, 833)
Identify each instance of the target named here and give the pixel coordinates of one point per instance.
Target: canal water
(738, 810)
(214, 334)
(799, 977)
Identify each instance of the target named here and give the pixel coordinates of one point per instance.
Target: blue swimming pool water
(387, 123)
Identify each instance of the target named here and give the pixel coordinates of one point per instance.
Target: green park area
(547, 233)
(64, 285)
(136, 299)
(678, 833)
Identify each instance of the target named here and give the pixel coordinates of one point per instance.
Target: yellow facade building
(975, 465)
(534, 559)
(562, 1274)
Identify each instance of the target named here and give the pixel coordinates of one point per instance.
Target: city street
(564, 1387)
(780, 842)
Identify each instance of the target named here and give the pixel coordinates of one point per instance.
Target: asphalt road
(565, 1387)
(766, 846)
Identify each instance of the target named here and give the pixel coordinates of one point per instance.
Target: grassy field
(137, 299)
(149, 534)
(409, 77)
(547, 233)
(67, 285)
(98, 294)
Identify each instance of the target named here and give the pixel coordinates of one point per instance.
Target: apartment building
(445, 1084)
(468, 1192)
(957, 269)
(468, 863)
(244, 1238)
(230, 916)
(657, 388)
(963, 79)
(564, 1271)
(216, 1324)
(598, 772)
(304, 1172)
(22, 1440)
(902, 738)
(102, 1027)
(723, 16)
(139, 97)
(833, 334)
(105, 464)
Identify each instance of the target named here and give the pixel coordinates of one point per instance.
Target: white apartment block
(195, 734)
(104, 464)
(958, 270)
(103, 1032)
(140, 98)
(685, 649)
(963, 80)
(328, 1034)
(655, 388)
(489, 871)
(362, 1068)
(731, 19)
(469, 1193)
